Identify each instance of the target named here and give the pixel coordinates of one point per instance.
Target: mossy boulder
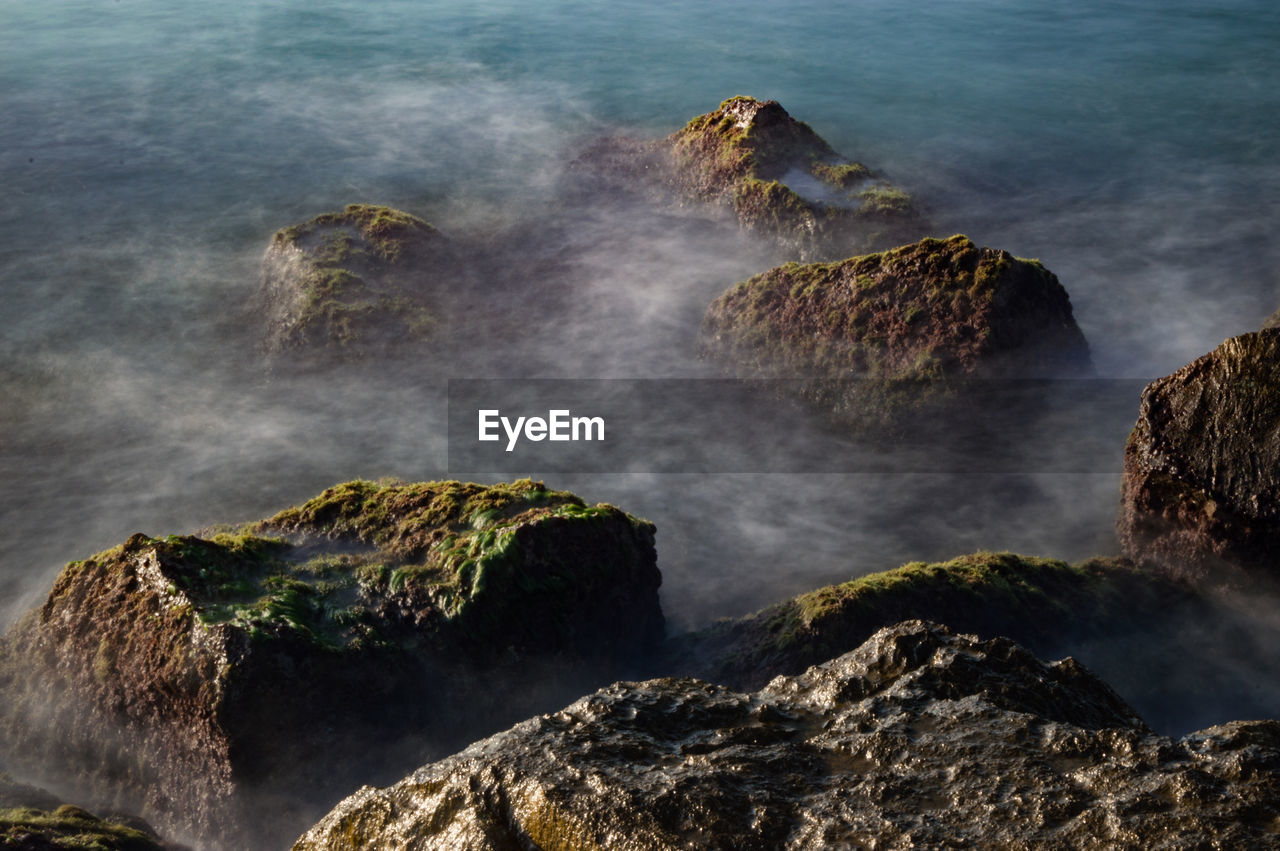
(918, 738)
(1201, 494)
(771, 173)
(874, 334)
(228, 685)
(367, 280)
(32, 819)
(1044, 603)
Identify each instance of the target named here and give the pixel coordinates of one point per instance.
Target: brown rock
(229, 687)
(773, 175)
(1201, 492)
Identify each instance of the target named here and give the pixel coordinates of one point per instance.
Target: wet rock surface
(230, 687)
(920, 737)
(773, 175)
(1201, 494)
(366, 281)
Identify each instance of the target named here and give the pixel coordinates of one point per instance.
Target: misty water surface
(149, 151)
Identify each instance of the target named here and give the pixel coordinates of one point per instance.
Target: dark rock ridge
(32, 819)
(1185, 656)
(230, 687)
(1201, 492)
(919, 738)
(773, 174)
(874, 336)
(360, 282)
(1045, 604)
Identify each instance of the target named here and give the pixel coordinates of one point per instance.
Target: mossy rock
(70, 828)
(878, 338)
(367, 280)
(772, 174)
(1043, 603)
(228, 682)
(32, 818)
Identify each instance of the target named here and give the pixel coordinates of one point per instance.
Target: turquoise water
(148, 151)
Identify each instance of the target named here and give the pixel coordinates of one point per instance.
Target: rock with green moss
(1043, 603)
(918, 738)
(1201, 493)
(870, 337)
(364, 281)
(773, 174)
(1185, 656)
(32, 819)
(228, 685)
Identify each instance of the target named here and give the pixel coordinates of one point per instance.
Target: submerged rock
(231, 686)
(366, 280)
(774, 175)
(875, 334)
(1201, 489)
(918, 738)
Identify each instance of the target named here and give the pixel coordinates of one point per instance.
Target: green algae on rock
(1043, 603)
(33, 819)
(365, 280)
(773, 174)
(874, 335)
(225, 685)
(919, 737)
(1201, 494)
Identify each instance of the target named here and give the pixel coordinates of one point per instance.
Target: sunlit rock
(774, 175)
(873, 336)
(919, 738)
(1202, 467)
(230, 686)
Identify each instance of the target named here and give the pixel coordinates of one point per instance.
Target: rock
(775, 176)
(879, 335)
(1201, 493)
(366, 280)
(1184, 656)
(930, 309)
(1045, 604)
(919, 738)
(230, 687)
(32, 819)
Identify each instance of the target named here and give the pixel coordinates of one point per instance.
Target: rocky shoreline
(231, 685)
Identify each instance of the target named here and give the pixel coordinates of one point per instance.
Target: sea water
(149, 149)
